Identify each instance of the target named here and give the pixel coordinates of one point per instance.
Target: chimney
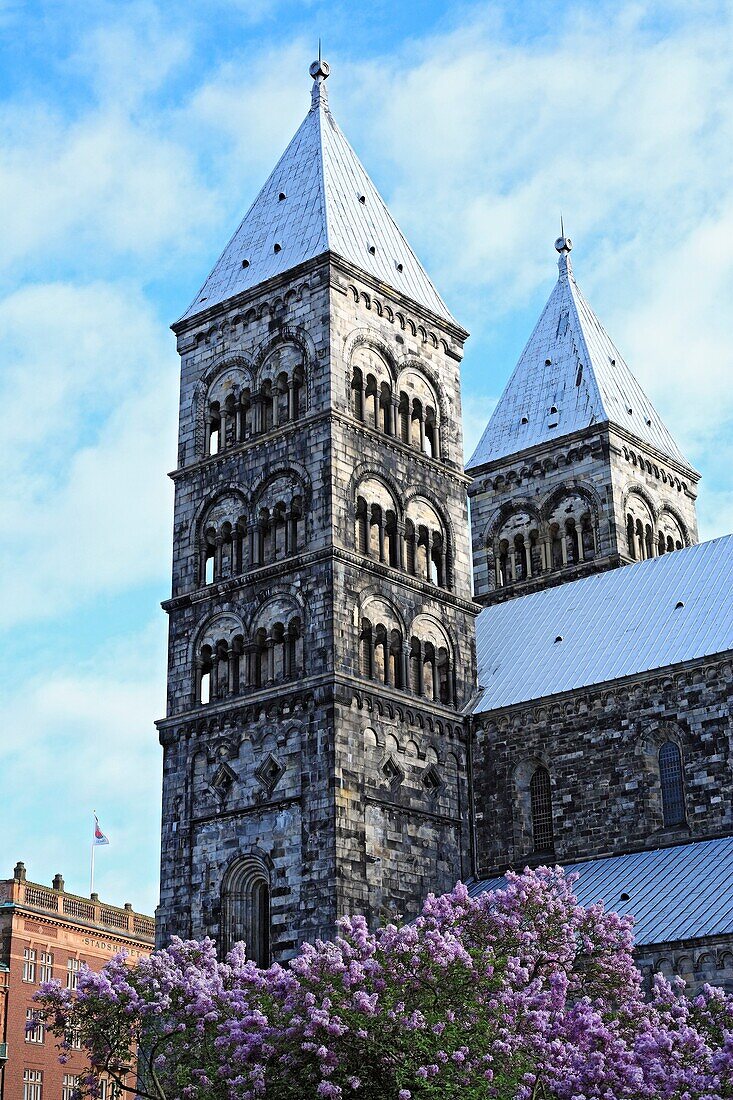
(128, 906)
(58, 883)
(19, 872)
(94, 897)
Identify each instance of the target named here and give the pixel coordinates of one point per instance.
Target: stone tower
(575, 472)
(321, 622)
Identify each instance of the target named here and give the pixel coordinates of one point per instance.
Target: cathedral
(367, 703)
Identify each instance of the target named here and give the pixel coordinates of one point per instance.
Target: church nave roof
(645, 616)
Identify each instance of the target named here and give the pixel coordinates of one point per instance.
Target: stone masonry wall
(600, 747)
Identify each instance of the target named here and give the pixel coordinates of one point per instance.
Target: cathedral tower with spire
(321, 641)
(575, 472)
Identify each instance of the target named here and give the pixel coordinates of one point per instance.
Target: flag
(99, 837)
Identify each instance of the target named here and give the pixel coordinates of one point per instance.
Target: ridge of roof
(570, 376)
(318, 198)
(623, 622)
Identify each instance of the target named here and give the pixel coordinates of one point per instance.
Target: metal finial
(563, 244)
(562, 227)
(319, 69)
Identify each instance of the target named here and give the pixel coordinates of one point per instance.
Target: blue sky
(132, 138)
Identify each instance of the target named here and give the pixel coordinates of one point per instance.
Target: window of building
(32, 1084)
(69, 1087)
(73, 967)
(46, 967)
(541, 801)
(29, 964)
(34, 1029)
(73, 1038)
(108, 1090)
(670, 776)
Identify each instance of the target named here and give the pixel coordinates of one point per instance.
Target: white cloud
(88, 409)
(81, 738)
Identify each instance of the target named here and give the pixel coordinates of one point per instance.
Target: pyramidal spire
(570, 376)
(318, 199)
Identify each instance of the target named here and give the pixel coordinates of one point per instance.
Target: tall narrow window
(46, 968)
(29, 964)
(34, 1029)
(70, 1087)
(246, 909)
(32, 1084)
(670, 776)
(73, 967)
(541, 799)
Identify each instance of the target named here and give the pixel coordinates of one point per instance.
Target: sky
(133, 136)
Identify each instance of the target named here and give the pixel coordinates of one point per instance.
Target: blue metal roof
(569, 376)
(653, 614)
(680, 893)
(319, 198)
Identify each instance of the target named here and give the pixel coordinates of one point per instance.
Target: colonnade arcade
(649, 535)
(413, 539)
(238, 407)
(237, 535)
(418, 661)
(230, 661)
(529, 544)
(406, 408)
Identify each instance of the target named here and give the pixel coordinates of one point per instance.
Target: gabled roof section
(679, 893)
(570, 376)
(318, 199)
(648, 615)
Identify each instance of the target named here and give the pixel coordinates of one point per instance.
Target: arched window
(630, 535)
(245, 909)
(670, 778)
(541, 802)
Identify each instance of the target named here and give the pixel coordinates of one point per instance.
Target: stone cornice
(564, 442)
(326, 260)
(414, 811)
(289, 699)
(308, 420)
(234, 585)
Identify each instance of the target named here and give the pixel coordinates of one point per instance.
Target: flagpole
(91, 875)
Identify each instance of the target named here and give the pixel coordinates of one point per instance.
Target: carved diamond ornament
(392, 772)
(432, 780)
(269, 772)
(223, 779)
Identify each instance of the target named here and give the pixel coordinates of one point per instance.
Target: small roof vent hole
(548, 362)
(400, 268)
(362, 199)
(558, 639)
(679, 604)
(525, 420)
(553, 409)
(278, 248)
(579, 376)
(245, 263)
(630, 412)
(648, 422)
(624, 896)
(613, 362)
(281, 197)
(373, 249)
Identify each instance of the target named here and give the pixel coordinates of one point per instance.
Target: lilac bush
(520, 994)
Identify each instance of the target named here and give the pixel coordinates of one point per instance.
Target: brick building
(47, 933)
(330, 742)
